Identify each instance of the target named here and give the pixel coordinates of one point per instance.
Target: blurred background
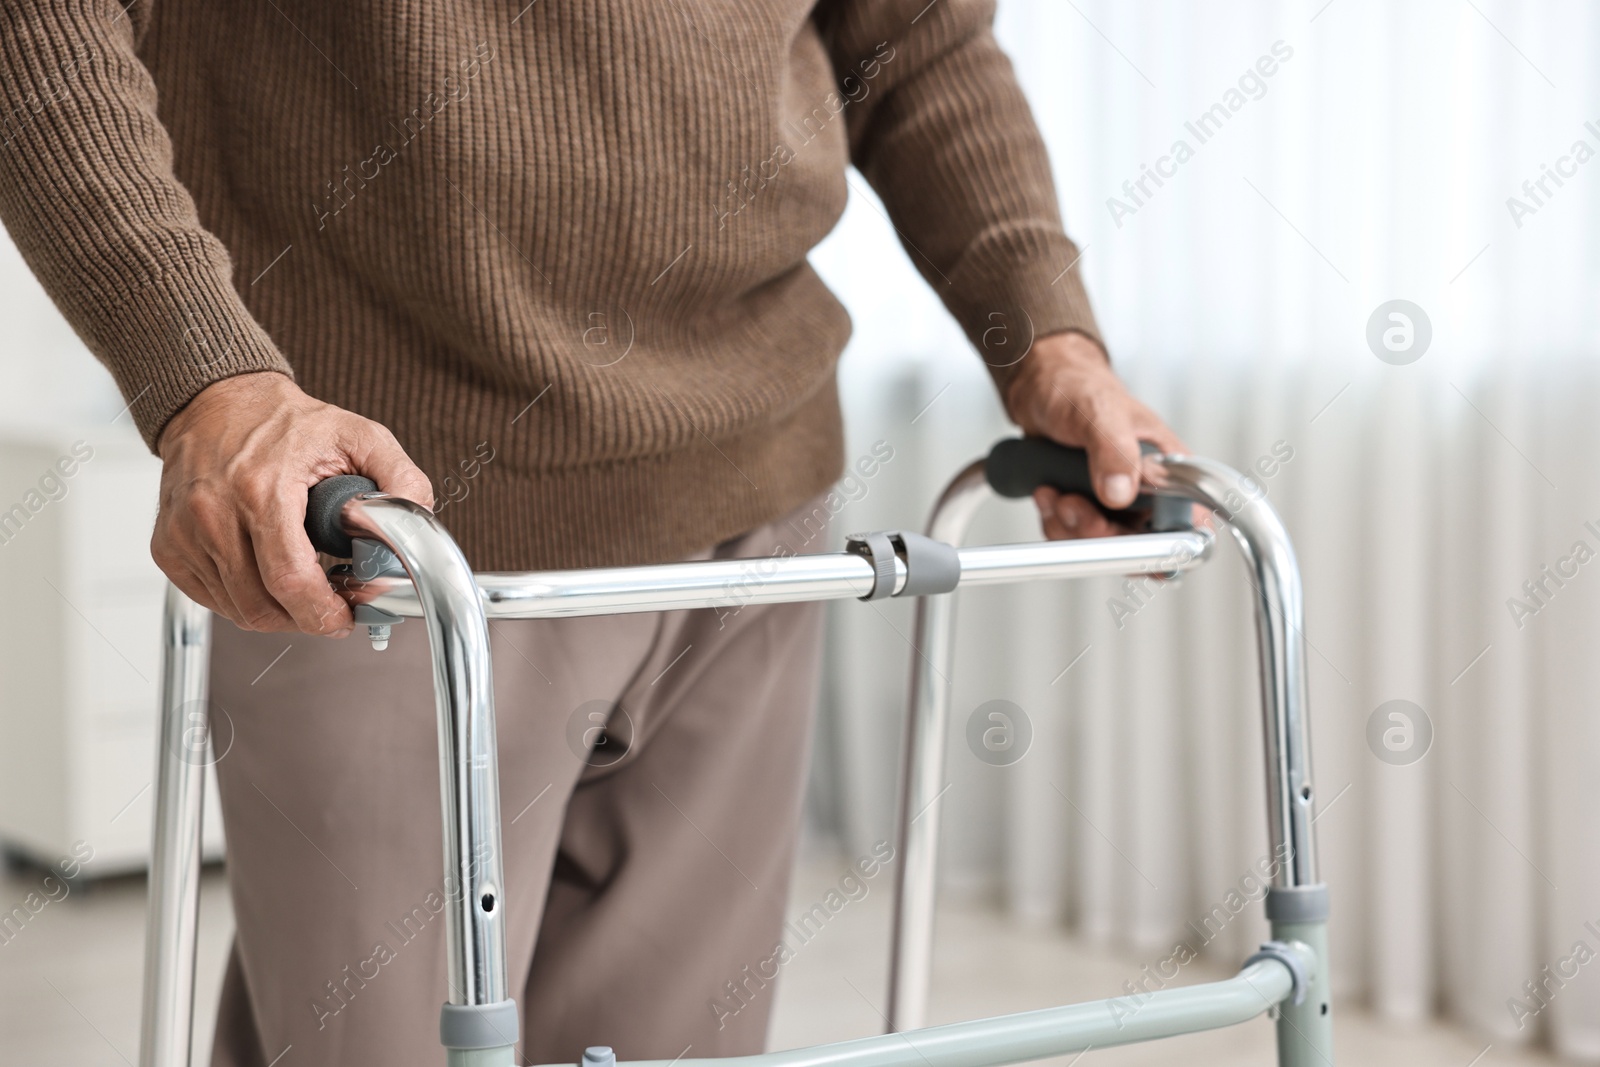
(1440, 484)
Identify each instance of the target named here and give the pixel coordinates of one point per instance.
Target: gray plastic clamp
(369, 560)
(471, 1026)
(372, 559)
(931, 566)
(1280, 951)
(1298, 904)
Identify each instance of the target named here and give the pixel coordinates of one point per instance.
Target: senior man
(541, 266)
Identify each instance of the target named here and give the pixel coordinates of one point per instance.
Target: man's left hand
(1068, 392)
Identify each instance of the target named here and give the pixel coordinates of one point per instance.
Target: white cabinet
(80, 648)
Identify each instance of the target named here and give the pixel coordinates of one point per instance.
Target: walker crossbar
(478, 1026)
(729, 584)
(1035, 1035)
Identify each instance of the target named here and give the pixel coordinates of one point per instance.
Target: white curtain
(1374, 163)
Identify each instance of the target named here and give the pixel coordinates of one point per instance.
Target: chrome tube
(922, 770)
(727, 585)
(1100, 557)
(458, 634)
(173, 908)
(1297, 902)
(1280, 615)
(1280, 633)
(1036, 1035)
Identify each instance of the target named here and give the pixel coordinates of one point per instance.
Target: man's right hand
(237, 463)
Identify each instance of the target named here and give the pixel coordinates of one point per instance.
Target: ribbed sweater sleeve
(88, 194)
(941, 129)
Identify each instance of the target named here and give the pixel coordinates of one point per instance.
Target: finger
(172, 563)
(1113, 447)
(1066, 517)
(1044, 498)
(220, 554)
(175, 548)
(190, 585)
(1053, 530)
(379, 456)
(204, 570)
(1079, 516)
(236, 563)
(1152, 429)
(287, 568)
(1157, 433)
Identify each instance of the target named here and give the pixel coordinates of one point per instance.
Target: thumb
(380, 457)
(1113, 449)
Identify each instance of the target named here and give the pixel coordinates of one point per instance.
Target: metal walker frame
(479, 1026)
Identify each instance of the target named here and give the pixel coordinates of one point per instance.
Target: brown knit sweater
(558, 247)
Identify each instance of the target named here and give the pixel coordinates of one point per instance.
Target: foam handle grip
(1018, 465)
(323, 507)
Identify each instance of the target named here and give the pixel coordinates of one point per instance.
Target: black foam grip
(323, 507)
(1019, 465)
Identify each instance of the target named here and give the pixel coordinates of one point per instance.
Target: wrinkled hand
(1067, 391)
(237, 462)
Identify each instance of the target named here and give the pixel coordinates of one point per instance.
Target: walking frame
(426, 576)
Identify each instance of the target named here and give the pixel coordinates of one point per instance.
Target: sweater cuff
(1015, 287)
(171, 337)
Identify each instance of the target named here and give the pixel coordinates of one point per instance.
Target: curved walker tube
(1296, 903)
(479, 1024)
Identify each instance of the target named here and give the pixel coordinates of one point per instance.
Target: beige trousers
(646, 863)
